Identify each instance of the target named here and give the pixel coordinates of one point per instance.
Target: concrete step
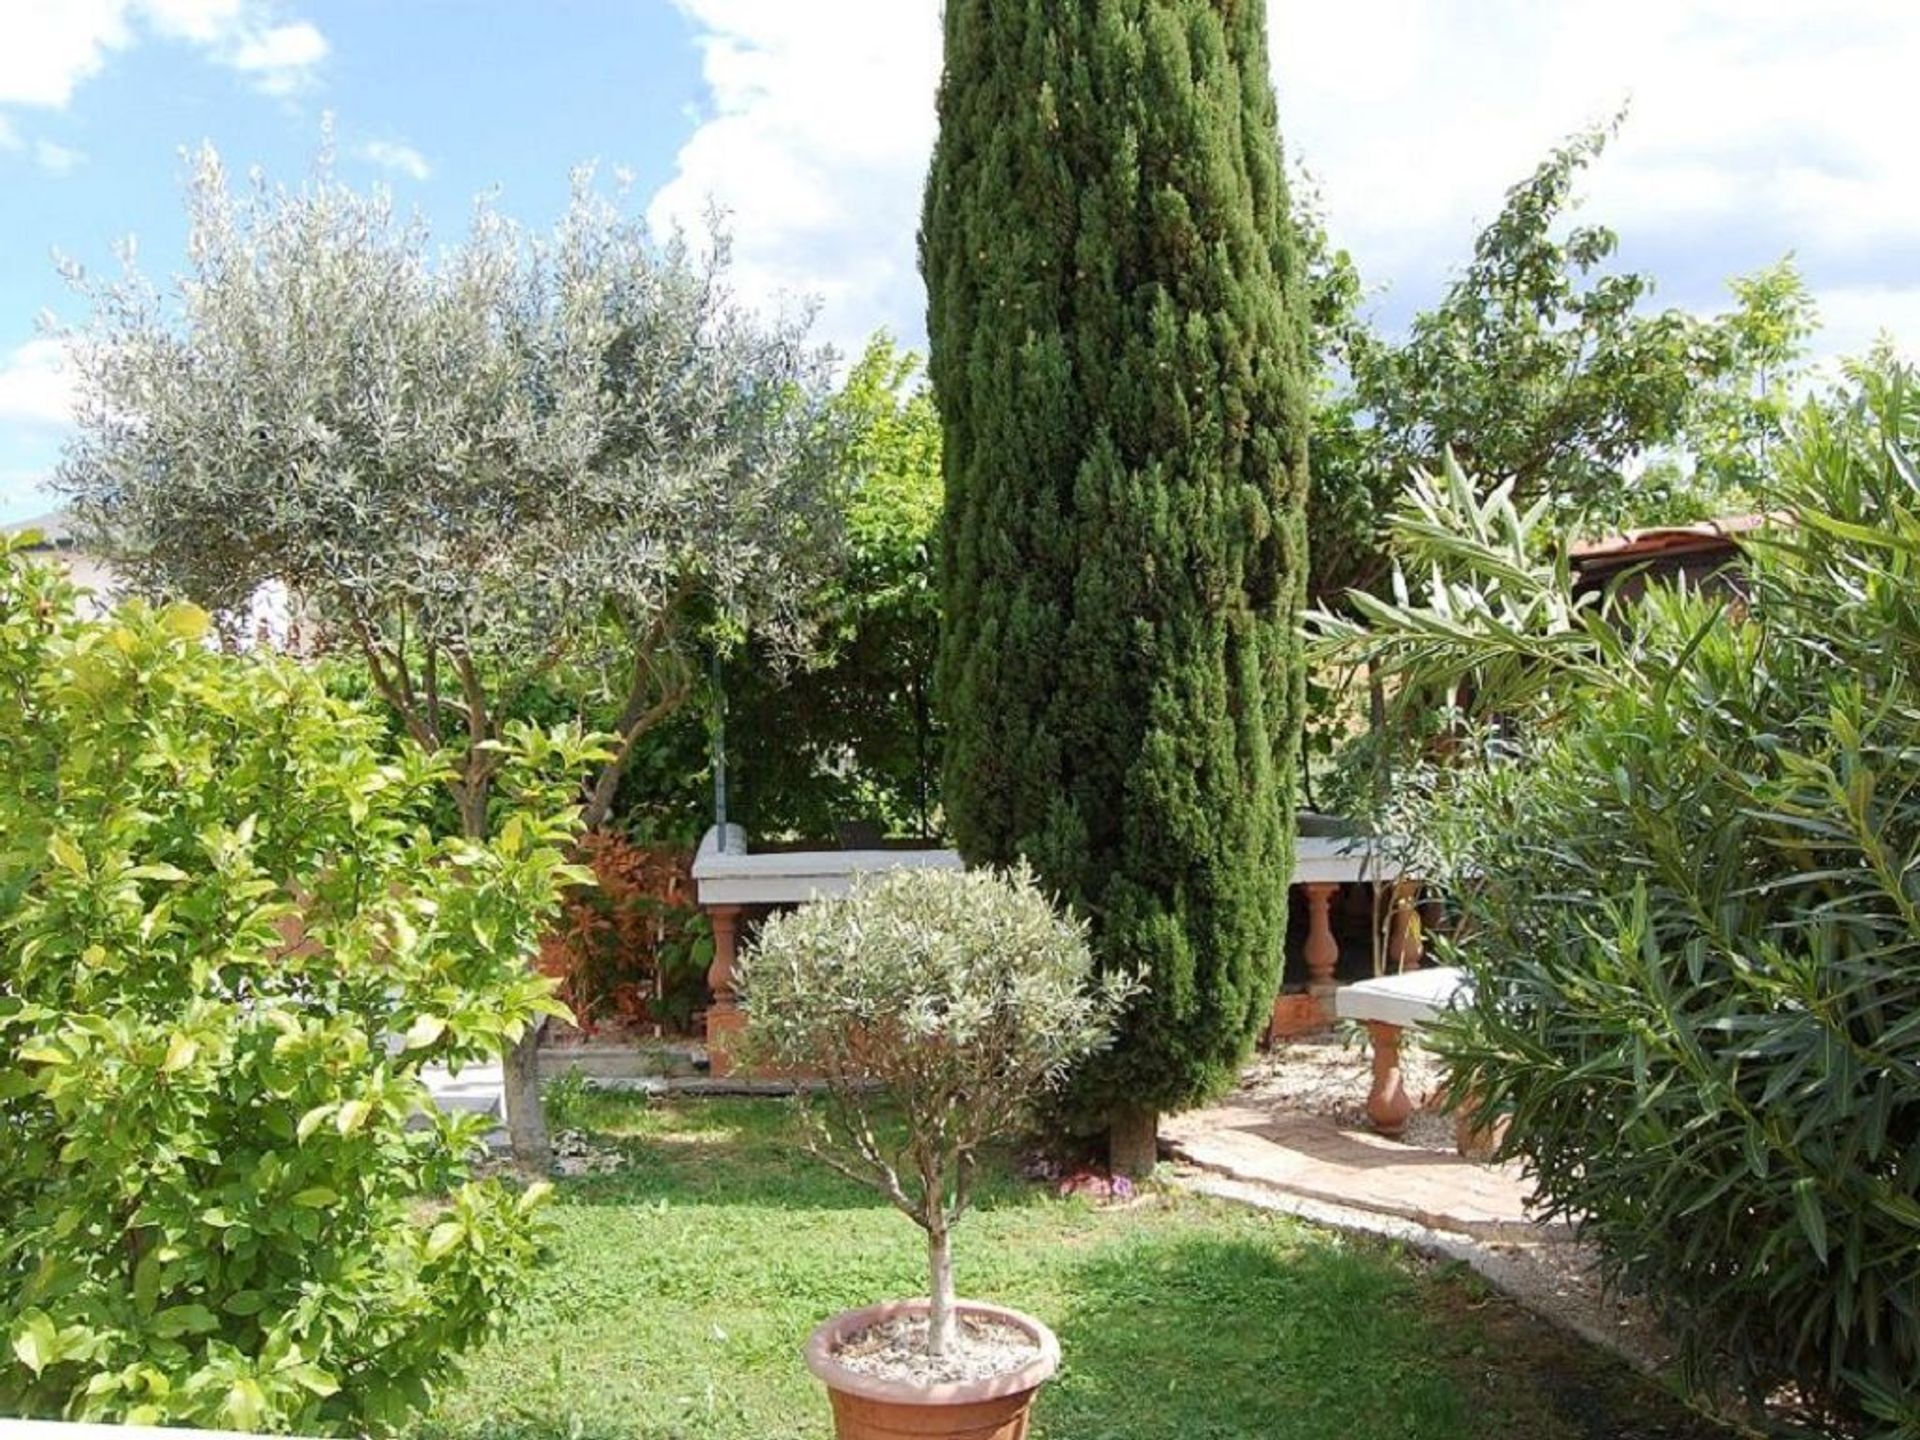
(624, 1060)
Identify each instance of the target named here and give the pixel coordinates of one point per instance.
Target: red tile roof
(1669, 539)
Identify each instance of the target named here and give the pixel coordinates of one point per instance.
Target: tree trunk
(600, 795)
(1133, 1142)
(519, 1062)
(939, 1292)
(471, 797)
(526, 1121)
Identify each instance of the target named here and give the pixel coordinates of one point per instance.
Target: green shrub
(939, 1007)
(230, 943)
(633, 948)
(849, 737)
(1685, 864)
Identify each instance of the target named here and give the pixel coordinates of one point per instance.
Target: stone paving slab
(623, 1059)
(1312, 1157)
(477, 1089)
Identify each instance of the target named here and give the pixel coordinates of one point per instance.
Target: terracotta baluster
(723, 1014)
(1481, 1143)
(1387, 1104)
(1322, 950)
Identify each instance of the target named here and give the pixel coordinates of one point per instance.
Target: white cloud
(36, 409)
(817, 144)
(1757, 126)
(279, 58)
(21, 495)
(48, 47)
(393, 155)
(1855, 316)
(205, 22)
(35, 388)
(56, 159)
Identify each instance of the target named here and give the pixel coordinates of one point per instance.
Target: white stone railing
(1387, 1005)
(729, 878)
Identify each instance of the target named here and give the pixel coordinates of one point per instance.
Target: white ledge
(1408, 1000)
(1337, 860)
(727, 873)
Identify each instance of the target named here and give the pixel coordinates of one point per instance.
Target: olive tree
(937, 1008)
(525, 453)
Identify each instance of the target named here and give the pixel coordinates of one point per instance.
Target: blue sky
(1757, 127)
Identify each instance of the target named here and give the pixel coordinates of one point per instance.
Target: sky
(1756, 128)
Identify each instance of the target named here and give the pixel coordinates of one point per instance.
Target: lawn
(682, 1285)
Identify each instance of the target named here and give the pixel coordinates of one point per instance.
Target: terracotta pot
(866, 1407)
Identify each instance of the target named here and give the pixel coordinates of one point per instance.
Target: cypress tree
(1118, 354)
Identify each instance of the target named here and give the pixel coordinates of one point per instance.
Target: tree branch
(396, 696)
(431, 678)
(639, 714)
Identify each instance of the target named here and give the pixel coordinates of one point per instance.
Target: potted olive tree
(935, 1008)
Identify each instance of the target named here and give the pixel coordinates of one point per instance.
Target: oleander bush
(229, 941)
(1684, 842)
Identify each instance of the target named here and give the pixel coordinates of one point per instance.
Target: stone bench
(1387, 1005)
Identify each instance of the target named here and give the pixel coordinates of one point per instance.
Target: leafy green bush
(1685, 866)
(230, 943)
(850, 736)
(939, 1007)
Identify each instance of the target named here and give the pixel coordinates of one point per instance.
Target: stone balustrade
(732, 880)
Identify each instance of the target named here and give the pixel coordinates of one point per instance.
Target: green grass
(682, 1286)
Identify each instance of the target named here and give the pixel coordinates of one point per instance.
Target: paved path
(1258, 1148)
(1313, 1158)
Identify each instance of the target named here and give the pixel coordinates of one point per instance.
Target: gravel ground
(897, 1350)
(1329, 1075)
